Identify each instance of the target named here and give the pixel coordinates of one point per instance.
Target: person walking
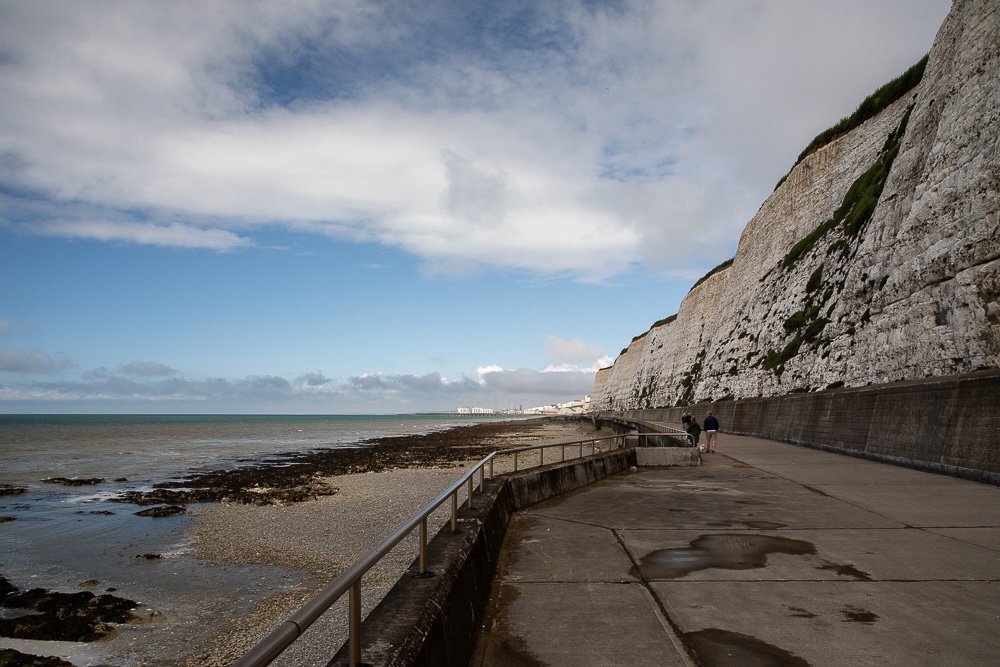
(711, 433)
(694, 430)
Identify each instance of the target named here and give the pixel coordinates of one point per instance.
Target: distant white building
(476, 411)
(571, 408)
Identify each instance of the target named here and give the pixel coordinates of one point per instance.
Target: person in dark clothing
(711, 433)
(694, 430)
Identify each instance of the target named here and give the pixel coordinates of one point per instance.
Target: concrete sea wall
(949, 425)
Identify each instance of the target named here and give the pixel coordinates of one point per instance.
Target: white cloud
(147, 368)
(12, 327)
(528, 382)
(474, 196)
(571, 349)
(569, 355)
(577, 143)
(483, 371)
(169, 235)
(157, 385)
(31, 361)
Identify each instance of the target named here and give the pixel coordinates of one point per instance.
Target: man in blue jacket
(711, 433)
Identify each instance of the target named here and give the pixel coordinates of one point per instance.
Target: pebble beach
(320, 538)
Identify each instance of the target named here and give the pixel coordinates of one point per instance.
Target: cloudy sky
(374, 207)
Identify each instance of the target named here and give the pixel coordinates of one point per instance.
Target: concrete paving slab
(922, 503)
(767, 554)
(984, 537)
(572, 624)
(680, 498)
(831, 624)
(542, 549)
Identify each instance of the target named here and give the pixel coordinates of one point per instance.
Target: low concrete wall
(432, 621)
(667, 456)
(949, 425)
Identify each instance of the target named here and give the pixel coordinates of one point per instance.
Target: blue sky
(379, 207)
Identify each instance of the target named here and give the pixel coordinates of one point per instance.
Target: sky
(315, 206)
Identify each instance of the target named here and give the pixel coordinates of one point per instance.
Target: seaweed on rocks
(54, 616)
(163, 510)
(299, 477)
(74, 481)
(12, 658)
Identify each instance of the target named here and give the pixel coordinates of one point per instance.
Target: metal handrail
(669, 431)
(349, 581)
(655, 427)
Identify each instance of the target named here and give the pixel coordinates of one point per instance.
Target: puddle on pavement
(763, 525)
(844, 570)
(729, 551)
(722, 648)
(854, 614)
(699, 488)
(756, 525)
(799, 612)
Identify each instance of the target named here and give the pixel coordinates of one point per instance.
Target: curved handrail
(654, 427)
(349, 581)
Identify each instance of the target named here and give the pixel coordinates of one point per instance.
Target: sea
(73, 538)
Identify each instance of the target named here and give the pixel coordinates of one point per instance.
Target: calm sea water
(62, 537)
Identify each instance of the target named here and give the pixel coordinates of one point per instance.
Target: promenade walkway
(768, 554)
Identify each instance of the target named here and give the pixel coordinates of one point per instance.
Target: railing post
(482, 479)
(423, 546)
(541, 456)
(491, 468)
(515, 461)
(454, 512)
(354, 623)
(470, 491)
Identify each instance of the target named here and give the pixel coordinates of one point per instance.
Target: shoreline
(405, 475)
(297, 476)
(199, 597)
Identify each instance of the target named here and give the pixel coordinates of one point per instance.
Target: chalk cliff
(876, 260)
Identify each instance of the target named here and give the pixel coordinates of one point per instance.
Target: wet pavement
(767, 554)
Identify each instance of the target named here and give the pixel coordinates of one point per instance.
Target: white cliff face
(912, 293)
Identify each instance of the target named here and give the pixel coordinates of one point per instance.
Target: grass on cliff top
(721, 267)
(657, 323)
(870, 107)
(667, 320)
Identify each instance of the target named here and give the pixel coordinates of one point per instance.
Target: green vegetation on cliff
(657, 323)
(859, 203)
(870, 107)
(721, 267)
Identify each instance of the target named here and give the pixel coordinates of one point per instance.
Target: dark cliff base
(949, 425)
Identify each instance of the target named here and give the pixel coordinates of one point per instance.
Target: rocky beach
(302, 517)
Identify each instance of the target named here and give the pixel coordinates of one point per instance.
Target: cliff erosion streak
(820, 296)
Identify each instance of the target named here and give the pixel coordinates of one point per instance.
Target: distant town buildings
(476, 411)
(571, 408)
